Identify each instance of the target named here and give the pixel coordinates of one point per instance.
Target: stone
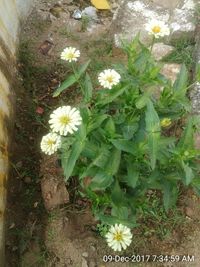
(85, 254)
(90, 12)
(161, 50)
(84, 263)
(189, 212)
(171, 70)
(132, 17)
(74, 25)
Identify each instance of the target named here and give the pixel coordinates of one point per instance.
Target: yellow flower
(165, 122)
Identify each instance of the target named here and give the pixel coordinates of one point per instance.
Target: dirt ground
(67, 236)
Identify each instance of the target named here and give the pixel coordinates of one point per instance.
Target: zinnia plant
(122, 138)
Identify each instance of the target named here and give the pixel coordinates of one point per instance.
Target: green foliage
(102, 229)
(183, 52)
(122, 147)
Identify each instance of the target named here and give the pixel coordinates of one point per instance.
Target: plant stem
(153, 40)
(77, 79)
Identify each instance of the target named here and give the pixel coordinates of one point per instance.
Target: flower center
(51, 142)
(70, 55)
(109, 79)
(65, 120)
(118, 236)
(156, 29)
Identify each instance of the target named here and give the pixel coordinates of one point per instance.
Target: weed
(102, 229)
(64, 31)
(156, 220)
(183, 52)
(85, 22)
(51, 234)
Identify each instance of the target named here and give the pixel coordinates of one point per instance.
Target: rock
(90, 12)
(161, 50)
(53, 187)
(84, 263)
(93, 247)
(77, 14)
(56, 10)
(74, 25)
(189, 212)
(45, 47)
(132, 17)
(171, 70)
(85, 254)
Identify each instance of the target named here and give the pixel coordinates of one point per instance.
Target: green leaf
(151, 118)
(113, 94)
(197, 72)
(111, 220)
(153, 144)
(73, 78)
(117, 195)
(189, 175)
(74, 154)
(102, 158)
(170, 195)
(129, 130)
(120, 212)
(114, 161)
(101, 181)
(88, 88)
(133, 174)
(180, 85)
(187, 139)
(124, 145)
(66, 84)
(142, 101)
(90, 150)
(96, 122)
(110, 127)
(85, 114)
(153, 130)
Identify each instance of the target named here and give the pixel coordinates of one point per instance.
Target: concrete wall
(11, 13)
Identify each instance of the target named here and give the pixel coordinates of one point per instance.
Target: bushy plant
(128, 141)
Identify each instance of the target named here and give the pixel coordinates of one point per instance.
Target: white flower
(108, 78)
(65, 120)
(157, 28)
(70, 54)
(119, 237)
(50, 143)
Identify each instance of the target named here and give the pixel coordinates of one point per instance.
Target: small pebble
(85, 254)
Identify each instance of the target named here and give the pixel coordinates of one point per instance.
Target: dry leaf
(101, 4)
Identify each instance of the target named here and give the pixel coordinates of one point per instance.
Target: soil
(66, 235)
